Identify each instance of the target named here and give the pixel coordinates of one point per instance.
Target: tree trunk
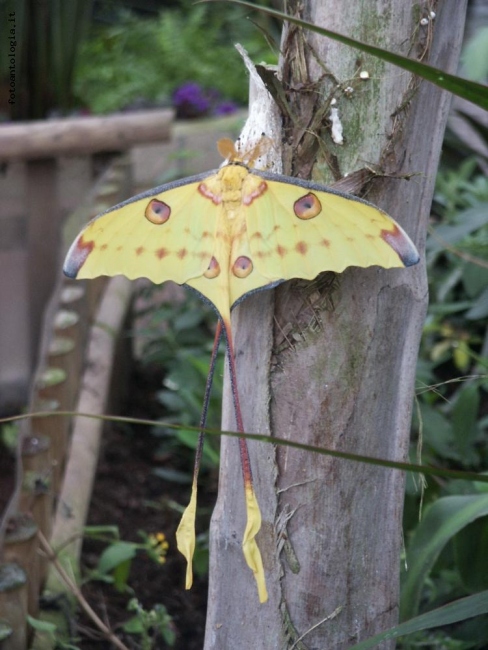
(333, 365)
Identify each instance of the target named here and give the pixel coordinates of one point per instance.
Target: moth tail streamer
(250, 548)
(185, 534)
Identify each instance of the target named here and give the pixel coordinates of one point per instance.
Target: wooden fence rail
(61, 315)
(49, 168)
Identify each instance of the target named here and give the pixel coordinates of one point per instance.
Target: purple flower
(190, 100)
(225, 108)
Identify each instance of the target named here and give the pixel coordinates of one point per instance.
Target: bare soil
(129, 495)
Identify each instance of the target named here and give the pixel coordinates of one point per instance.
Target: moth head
(232, 154)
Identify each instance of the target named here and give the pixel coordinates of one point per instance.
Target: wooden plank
(74, 136)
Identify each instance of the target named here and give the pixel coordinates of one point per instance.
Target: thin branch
(455, 251)
(75, 590)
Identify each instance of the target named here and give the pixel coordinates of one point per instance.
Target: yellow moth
(229, 233)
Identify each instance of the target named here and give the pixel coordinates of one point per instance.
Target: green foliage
(5, 631)
(47, 40)
(201, 555)
(446, 549)
(440, 524)
(149, 624)
(463, 609)
(115, 561)
(179, 337)
(9, 434)
(475, 56)
(149, 58)
(49, 631)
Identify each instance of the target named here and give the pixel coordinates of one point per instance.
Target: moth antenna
(227, 149)
(261, 148)
(185, 534)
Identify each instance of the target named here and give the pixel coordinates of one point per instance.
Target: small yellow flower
(159, 546)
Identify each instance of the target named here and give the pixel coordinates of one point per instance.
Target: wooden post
(56, 430)
(13, 605)
(331, 531)
(37, 495)
(21, 547)
(80, 472)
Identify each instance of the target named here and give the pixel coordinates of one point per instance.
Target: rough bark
(343, 376)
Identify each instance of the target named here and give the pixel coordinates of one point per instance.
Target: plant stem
(75, 590)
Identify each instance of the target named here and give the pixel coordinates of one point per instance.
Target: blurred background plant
(46, 39)
(101, 56)
(114, 563)
(148, 59)
(446, 521)
(178, 337)
(148, 625)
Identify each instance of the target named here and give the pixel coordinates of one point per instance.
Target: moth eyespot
(157, 212)
(213, 269)
(242, 267)
(307, 207)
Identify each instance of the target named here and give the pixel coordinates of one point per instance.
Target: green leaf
(481, 487)
(114, 555)
(334, 453)
(41, 626)
(470, 90)
(121, 575)
(133, 626)
(168, 635)
(470, 546)
(480, 308)
(464, 416)
(188, 320)
(171, 400)
(201, 560)
(475, 279)
(5, 631)
(438, 432)
(168, 474)
(470, 220)
(101, 532)
(444, 309)
(188, 439)
(444, 519)
(475, 56)
(460, 610)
